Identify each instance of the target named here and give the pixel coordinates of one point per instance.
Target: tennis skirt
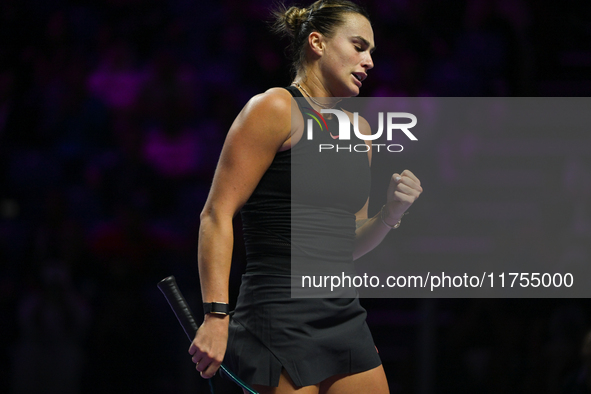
(313, 339)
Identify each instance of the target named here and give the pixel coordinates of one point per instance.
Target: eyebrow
(365, 42)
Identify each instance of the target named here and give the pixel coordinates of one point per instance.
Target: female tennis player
(273, 342)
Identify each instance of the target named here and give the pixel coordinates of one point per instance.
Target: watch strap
(217, 308)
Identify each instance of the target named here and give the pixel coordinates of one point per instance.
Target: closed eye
(361, 44)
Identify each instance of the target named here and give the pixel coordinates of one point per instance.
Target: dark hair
(323, 16)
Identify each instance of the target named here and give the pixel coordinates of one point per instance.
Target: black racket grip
(179, 305)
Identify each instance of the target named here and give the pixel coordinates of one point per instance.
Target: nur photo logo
(344, 131)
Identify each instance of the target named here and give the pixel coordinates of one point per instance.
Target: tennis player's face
(348, 56)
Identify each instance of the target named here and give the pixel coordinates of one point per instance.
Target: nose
(367, 62)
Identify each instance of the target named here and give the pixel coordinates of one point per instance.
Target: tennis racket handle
(179, 305)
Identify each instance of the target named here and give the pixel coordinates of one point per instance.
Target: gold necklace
(312, 98)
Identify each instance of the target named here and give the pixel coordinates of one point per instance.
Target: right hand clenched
(209, 346)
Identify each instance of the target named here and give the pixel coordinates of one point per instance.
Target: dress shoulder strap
(295, 92)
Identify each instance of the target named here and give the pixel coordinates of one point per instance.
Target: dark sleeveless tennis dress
(306, 214)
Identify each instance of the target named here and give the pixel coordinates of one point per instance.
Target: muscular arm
(256, 135)
(403, 190)
(259, 131)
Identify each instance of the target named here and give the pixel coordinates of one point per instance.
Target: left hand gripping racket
(183, 313)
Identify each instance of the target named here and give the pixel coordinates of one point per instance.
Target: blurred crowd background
(112, 117)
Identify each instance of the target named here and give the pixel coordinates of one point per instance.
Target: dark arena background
(112, 117)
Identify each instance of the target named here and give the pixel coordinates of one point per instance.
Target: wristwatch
(217, 308)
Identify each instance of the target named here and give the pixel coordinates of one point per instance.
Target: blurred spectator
(49, 356)
(580, 381)
(117, 80)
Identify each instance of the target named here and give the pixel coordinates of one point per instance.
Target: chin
(354, 92)
(350, 91)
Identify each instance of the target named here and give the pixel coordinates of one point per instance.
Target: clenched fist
(403, 191)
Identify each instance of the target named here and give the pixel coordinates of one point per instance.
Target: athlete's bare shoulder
(274, 100)
(279, 93)
(266, 115)
(274, 104)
